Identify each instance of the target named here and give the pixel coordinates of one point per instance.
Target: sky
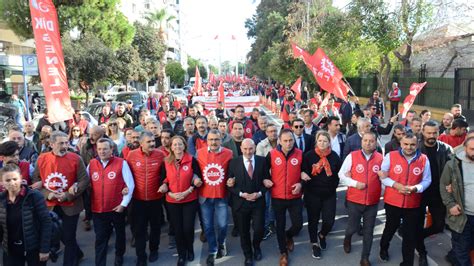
(203, 20)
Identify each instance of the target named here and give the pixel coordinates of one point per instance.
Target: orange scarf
(323, 162)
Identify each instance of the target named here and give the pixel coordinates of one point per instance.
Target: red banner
(297, 89)
(415, 88)
(327, 75)
(49, 50)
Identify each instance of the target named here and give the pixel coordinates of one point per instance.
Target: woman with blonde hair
(115, 134)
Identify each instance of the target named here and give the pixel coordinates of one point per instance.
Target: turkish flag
(297, 89)
(52, 70)
(197, 83)
(415, 88)
(212, 78)
(327, 75)
(220, 93)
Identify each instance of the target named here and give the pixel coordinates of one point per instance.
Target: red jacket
(180, 178)
(146, 170)
(214, 167)
(58, 174)
(407, 175)
(453, 141)
(286, 171)
(107, 184)
(366, 172)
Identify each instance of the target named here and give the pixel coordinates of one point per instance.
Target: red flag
(197, 83)
(299, 52)
(217, 37)
(415, 88)
(297, 89)
(212, 78)
(50, 60)
(327, 75)
(220, 93)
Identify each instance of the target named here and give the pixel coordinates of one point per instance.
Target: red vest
(164, 150)
(200, 143)
(107, 184)
(58, 173)
(146, 173)
(180, 179)
(162, 117)
(25, 172)
(214, 167)
(407, 175)
(366, 172)
(285, 173)
(125, 152)
(395, 98)
(249, 128)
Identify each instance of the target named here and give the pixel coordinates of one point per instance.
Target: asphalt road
(437, 246)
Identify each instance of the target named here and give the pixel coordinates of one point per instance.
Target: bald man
(247, 173)
(447, 122)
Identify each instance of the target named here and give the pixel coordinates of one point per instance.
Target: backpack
(56, 233)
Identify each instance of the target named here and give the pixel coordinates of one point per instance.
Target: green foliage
(214, 69)
(175, 72)
(192, 62)
(127, 65)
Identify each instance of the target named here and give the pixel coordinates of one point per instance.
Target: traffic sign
(30, 65)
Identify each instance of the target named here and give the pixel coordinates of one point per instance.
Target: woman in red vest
(182, 176)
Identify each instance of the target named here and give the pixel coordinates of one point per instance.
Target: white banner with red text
(248, 102)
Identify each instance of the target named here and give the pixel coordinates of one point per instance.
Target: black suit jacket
(243, 182)
(308, 142)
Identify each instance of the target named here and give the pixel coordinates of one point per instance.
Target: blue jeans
(462, 242)
(269, 213)
(209, 207)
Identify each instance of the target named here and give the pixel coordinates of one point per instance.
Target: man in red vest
(58, 170)
(285, 183)
(198, 140)
(214, 162)
(146, 163)
(359, 173)
(406, 174)
(394, 95)
(249, 126)
(110, 176)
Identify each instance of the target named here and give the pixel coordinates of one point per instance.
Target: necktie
(250, 169)
(301, 143)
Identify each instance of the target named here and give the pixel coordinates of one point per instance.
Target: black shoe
(248, 262)
(257, 254)
(384, 255)
(423, 261)
(222, 251)
(202, 237)
(322, 241)
(172, 242)
(267, 234)
(235, 231)
(210, 260)
(118, 261)
(181, 261)
(153, 256)
(316, 252)
(190, 255)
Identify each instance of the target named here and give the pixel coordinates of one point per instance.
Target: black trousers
(147, 213)
(355, 212)
(393, 108)
(245, 217)
(295, 209)
(182, 216)
(86, 198)
(320, 207)
(104, 224)
(438, 213)
(411, 226)
(68, 237)
(30, 258)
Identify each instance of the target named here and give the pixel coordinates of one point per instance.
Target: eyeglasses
(298, 126)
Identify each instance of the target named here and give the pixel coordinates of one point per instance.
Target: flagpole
(348, 84)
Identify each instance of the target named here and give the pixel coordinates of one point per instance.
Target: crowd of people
(171, 162)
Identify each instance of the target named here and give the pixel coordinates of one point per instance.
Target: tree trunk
(455, 55)
(384, 75)
(405, 59)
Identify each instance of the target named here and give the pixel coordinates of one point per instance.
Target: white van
(192, 80)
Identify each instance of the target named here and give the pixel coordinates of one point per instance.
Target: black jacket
(37, 224)
(243, 182)
(178, 127)
(321, 185)
(308, 142)
(443, 155)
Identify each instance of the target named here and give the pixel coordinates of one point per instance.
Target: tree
(214, 69)
(127, 65)
(226, 67)
(99, 17)
(192, 63)
(176, 72)
(87, 61)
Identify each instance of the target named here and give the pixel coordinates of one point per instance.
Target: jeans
(147, 213)
(411, 227)
(295, 209)
(393, 108)
(68, 237)
(104, 224)
(182, 216)
(320, 207)
(462, 242)
(269, 212)
(209, 207)
(369, 214)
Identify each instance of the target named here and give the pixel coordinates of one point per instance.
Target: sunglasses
(113, 124)
(298, 126)
(76, 130)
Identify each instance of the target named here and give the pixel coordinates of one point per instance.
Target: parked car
(89, 117)
(7, 119)
(96, 108)
(179, 94)
(138, 98)
(113, 91)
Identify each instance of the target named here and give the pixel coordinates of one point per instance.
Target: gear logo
(416, 171)
(111, 175)
(95, 176)
(56, 182)
(294, 161)
(248, 130)
(359, 168)
(398, 169)
(213, 174)
(278, 161)
(185, 168)
(327, 66)
(376, 168)
(138, 164)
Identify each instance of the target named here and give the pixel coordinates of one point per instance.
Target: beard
(470, 157)
(431, 141)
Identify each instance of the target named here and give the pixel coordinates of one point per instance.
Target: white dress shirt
(346, 167)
